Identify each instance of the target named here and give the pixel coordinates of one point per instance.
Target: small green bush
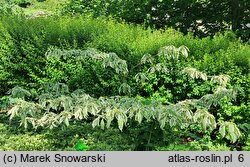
(23, 141)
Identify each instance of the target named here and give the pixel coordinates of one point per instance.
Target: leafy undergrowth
(62, 139)
(53, 106)
(66, 139)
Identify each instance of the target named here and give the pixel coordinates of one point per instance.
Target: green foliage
(80, 146)
(6, 8)
(99, 74)
(26, 41)
(13, 138)
(53, 109)
(140, 88)
(204, 17)
(5, 51)
(23, 142)
(233, 131)
(247, 147)
(55, 105)
(95, 139)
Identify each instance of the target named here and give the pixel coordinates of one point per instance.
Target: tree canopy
(202, 17)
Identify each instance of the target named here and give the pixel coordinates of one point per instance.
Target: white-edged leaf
(121, 121)
(102, 124)
(13, 111)
(96, 122)
(108, 123)
(222, 130)
(66, 121)
(140, 77)
(139, 116)
(147, 58)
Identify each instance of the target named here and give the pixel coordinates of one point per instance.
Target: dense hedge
(24, 43)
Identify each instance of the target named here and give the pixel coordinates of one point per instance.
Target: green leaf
(139, 116)
(66, 121)
(120, 122)
(163, 123)
(172, 122)
(184, 50)
(78, 113)
(13, 111)
(102, 124)
(96, 122)
(140, 77)
(222, 130)
(108, 123)
(80, 146)
(205, 122)
(125, 88)
(237, 131)
(230, 128)
(85, 112)
(147, 58)
(212, 122)
(233, 137)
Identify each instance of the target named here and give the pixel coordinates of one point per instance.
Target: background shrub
(25, 42)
